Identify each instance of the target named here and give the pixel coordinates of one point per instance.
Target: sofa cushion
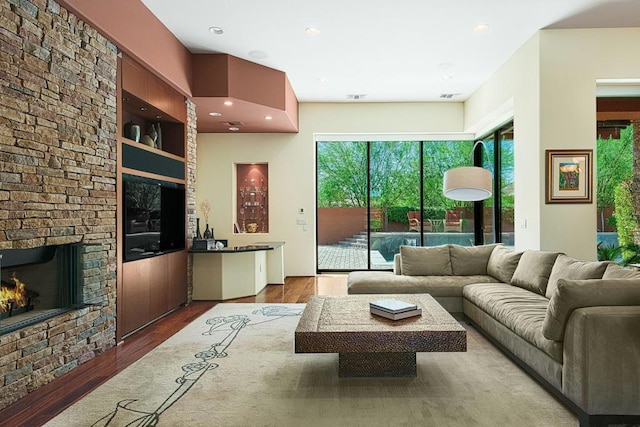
(533, 271)
(566, 267)
(384, 282)
(574, 294)
(426, 261)
(518, 309)
(470, 260)
(615, 271)
(502, 263)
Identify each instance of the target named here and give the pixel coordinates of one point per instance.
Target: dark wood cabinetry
(150, 287)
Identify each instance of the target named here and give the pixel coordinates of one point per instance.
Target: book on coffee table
(392, 306)
(396, 316)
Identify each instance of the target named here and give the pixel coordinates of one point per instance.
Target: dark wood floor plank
(48, 401)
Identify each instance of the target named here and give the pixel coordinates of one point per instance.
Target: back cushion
(470, 260)
(534, 270)
(570, 268)
(426, 261)
(614, 271)
(502, 263)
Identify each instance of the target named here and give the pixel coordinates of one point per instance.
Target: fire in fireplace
(15, 298)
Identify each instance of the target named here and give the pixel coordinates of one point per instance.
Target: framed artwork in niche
(252, 195)
(569, 176)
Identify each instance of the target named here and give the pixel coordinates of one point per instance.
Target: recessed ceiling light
(216, 30)
(480, 28)
(215, 114)
(234, 129)
(228, 103)
(143, 108)
(268, 117)
(322, 80)
(312, 30)
(258, 54)
(446, 77)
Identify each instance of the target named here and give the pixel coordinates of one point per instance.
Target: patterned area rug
(235, 366)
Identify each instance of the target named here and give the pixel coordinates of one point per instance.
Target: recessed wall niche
(252, 195)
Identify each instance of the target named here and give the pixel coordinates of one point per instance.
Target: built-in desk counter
(237, 271)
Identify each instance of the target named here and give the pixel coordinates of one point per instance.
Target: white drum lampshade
(467, 183)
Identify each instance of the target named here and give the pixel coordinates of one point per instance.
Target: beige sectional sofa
(573, 325)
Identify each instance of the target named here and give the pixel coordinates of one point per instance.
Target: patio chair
(452, 222)
(414, 222)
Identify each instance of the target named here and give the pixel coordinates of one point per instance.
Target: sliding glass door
(373, 197)
(394, 189)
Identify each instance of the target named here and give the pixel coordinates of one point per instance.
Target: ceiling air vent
(448, 95)
(356, 97)
(233, 123)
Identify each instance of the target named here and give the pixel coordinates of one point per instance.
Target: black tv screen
(154, 217)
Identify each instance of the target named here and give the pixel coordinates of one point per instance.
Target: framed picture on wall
(569, 176)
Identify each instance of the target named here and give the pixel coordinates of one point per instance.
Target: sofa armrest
(574, 294)
(601, 366)
(397, 264)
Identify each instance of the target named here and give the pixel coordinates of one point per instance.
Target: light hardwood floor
(45, 403)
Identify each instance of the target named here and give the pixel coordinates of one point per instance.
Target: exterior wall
(57, 176)
(336, 224)
(292, 171)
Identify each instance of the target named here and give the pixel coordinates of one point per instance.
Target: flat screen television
(154, 217)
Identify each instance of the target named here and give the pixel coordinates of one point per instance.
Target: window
(373, 197)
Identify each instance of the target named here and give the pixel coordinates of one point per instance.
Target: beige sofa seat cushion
(574, 294)
(470, 260)
(426, 261)
(502, 263)
(533, 271)
(381, 282)
(615, 271)
(518, 309)
(566, 267)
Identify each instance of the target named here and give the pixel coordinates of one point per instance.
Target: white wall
(552, 82)
(291, 159)
(515, 86)
(571, 61)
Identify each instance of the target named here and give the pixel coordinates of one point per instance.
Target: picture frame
(569, 176)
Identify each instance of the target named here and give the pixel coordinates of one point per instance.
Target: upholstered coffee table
(373, 346)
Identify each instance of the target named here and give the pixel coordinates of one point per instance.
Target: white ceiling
(390, 51)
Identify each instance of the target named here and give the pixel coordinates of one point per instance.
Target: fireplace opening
(15, 298)
(40, 283)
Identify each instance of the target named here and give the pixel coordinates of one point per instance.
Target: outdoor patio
(338, 257)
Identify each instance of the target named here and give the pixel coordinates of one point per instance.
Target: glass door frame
(369, 138)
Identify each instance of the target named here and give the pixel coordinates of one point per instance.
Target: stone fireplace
(57, 193)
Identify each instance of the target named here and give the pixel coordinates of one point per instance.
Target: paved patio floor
(337, 257)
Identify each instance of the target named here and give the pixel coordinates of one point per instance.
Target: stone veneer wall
(57, 177)
(191, 190)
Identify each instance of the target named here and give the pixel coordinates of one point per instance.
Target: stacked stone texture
(191, 190)
(57, 177)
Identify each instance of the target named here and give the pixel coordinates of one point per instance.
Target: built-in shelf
(252, 182)
(149, 287)
(170, 137)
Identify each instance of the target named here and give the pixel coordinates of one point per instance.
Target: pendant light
(468, 183)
